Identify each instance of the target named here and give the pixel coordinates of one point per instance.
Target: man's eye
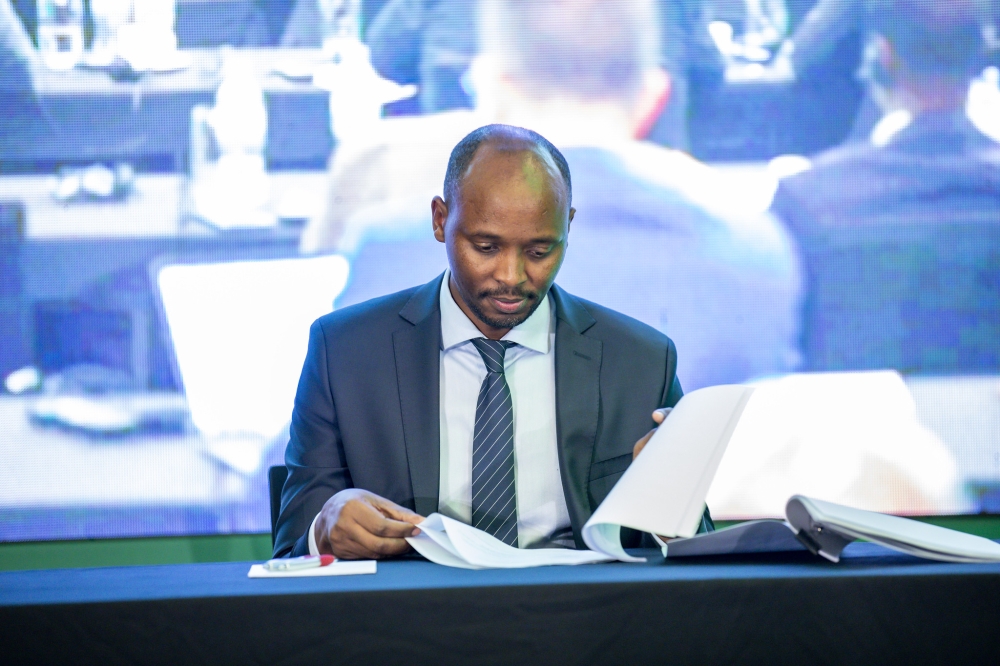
(539, 253)
(486, 247)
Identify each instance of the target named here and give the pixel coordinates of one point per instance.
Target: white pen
(296, 563)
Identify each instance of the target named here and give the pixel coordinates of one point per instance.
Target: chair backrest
(916, 292)
(276, 477)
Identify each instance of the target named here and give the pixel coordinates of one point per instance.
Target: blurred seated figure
(21, 115)
(722, 283)
(426, 42)
(432, 43)
(900, 235)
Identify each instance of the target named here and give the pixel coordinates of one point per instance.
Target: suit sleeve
(317, 466)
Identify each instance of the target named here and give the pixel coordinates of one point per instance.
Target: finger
(373, 521)
(641, 444)
(368, 547)
(661, 414)
(392, 510)
(375, 546)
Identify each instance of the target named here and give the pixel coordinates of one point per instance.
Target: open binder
(663, 492)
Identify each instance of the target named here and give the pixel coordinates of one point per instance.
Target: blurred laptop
(240, 330)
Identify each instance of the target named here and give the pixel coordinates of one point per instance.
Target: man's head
(504, 220)
(558, 64)
(925, 52)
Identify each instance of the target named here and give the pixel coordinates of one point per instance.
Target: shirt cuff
(314, 549)
(663, 544)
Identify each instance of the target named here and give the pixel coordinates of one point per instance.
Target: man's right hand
(358, 525)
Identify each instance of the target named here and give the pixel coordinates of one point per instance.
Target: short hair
(935, 38)
(508, 136)
(593, 49)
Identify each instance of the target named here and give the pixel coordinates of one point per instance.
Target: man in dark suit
(896, 232)
(489, 394)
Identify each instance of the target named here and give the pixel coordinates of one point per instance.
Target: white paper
(664, 491)
(452, 543)
(908, 536)
(338, 568)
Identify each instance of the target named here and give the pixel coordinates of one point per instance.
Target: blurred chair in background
(590, 81)
(901, 235)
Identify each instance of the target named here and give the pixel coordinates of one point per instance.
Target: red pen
(296, 563)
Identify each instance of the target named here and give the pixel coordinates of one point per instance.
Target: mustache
(509, 293)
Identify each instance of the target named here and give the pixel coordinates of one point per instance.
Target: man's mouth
(507, 305)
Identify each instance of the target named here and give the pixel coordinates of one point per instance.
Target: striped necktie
(494, 500)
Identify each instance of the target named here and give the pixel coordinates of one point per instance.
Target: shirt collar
(456, 328)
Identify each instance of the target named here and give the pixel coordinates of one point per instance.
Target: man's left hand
(658, 417)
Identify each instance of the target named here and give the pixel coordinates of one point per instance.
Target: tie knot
(492, 352)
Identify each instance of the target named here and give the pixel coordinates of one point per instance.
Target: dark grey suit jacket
(367, 409)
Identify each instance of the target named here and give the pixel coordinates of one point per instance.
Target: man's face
(505, 234)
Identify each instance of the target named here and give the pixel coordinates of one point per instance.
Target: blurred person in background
(21, 115)
(926, 174)
(720, 281)
(432, 43)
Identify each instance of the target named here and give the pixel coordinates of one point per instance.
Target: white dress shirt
(542, 515)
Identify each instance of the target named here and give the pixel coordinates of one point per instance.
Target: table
(873, 607)
(95, 118)
(62, 484)
(70, 250)
(155, 209)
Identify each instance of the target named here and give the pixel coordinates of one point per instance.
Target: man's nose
(510, 268)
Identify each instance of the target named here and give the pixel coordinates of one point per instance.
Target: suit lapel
(578, 403)
(418, 366)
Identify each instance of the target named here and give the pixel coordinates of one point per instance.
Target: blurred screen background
(803, 194)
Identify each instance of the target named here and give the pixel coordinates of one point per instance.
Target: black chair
(276, 477)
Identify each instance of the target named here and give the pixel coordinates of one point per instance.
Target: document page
(663, 492)
(452, 543)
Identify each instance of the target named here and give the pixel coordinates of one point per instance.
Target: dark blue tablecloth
(229, 579)
(873, 607)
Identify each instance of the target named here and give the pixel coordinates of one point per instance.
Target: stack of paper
(455, 544)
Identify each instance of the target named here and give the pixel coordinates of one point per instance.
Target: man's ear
(439, 215)
(652, 99)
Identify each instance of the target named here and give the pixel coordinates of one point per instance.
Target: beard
(505, 321)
